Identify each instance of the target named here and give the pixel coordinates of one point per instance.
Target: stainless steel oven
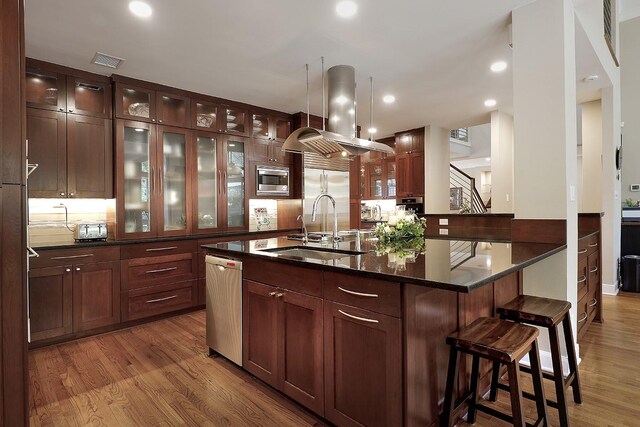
(272, 180)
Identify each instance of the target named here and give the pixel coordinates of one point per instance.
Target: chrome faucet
(305, 239)
(335, 213)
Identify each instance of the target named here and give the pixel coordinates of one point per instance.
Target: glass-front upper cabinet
(235, 121)
(173, 109)
(135, 103)
(173, 179)
(88, 97)
(260, 126)
(136, 147)
(391, 178)
(206, 182)
(234, 183)
(376, 176)
(282, 128)
(204, 115)
(45, 90)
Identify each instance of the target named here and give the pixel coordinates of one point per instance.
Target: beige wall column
(501, 162)
(436, 170)
(591, 156)
(545, 136)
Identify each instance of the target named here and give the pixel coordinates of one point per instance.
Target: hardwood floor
(160, 374)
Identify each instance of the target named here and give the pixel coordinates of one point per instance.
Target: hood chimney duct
(342, 92)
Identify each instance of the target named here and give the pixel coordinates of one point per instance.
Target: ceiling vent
(106, 60)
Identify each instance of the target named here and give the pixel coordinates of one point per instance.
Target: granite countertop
(223, 234)
(456, 265)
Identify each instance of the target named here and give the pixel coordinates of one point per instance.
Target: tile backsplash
(263, 214)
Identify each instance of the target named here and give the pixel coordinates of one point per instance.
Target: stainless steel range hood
(340, 140)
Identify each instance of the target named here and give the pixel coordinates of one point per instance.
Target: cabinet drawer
(309, 281)
(587, 245)
(375, 295)
(142, 250)
(58, 257)
(593, 272)
(139, 304)
(592, 305)
(582, 313)
(592, 244)
(143, 272)
(582, 278)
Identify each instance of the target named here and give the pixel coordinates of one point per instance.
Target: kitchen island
(357, 335)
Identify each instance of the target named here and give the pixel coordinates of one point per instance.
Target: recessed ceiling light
(372, 130)
(496, 67)
(346, 8)
(591, 78)
(487, 159)
(490, 103)
(140, 8)
(389, 99)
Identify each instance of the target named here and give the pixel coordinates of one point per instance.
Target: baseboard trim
(608, 289)
(547, 363)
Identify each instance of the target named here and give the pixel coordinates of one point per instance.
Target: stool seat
(535, 310)
(494, 338)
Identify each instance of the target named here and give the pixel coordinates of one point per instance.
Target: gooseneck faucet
(335, 213)
(305, 238)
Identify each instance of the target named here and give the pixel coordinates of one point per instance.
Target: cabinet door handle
(279, 294)
(595, 301)
(363, 319)
(272, 294)
(582, 251)
(593, 270)
(168, 248)
(72, 256)
(77, 268)
(593, 245)
(360, 294)
(32, 252)
(151, 301)
(583, 279)
(224, 186)
(583, 318)
(161, 270)
(152, 179)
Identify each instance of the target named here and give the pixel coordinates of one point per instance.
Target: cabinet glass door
(207, 182)
(235, 121)
(137, 180)
(88, 97)
(283, 129)
(375, 179)
(234, 183)
(45, 90)
(174, 180)
(391, 178)
(172, 109)
(136, 103)
(260, 126)
(204, 115)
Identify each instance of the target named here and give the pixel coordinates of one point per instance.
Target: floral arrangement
(402, 235)
(465, 207)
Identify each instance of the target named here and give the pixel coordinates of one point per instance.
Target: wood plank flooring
(159, 374)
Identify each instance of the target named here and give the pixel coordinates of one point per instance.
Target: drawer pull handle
(32, 252)
(72, 256)
(595, 301)
(151, 301)
(582, 251)
(363, 319)
(161, 270)
(272, 294)
(593, 270)
(168, 248)
(583, 318)
(593, 245)
(583, 279)
(360, 294)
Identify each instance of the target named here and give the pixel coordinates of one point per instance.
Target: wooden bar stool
(547, 313)
(498, 341)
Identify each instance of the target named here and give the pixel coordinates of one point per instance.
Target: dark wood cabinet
(96, 295)
(260, 331)
(282, 332)
(589, 286)
(234, 120)
(89, 97)
(204, 115)
(47, 136)
(45, 89)
(410, 141)
(50, 302)
(267, 151)
(363, 367)
(269, 126)
(173, 110)
(89, 157)
(135, 102)
(410, 174)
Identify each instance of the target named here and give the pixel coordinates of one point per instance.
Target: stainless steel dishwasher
(224, 307)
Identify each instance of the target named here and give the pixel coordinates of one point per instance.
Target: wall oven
(272, 180)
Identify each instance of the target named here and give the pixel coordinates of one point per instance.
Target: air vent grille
(106, 60)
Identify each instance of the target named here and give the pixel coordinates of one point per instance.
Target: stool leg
(558, 376)
(516, 394)
(475, 374)
(538, 387)
(573, 363)
(449, 401)
(495, 378)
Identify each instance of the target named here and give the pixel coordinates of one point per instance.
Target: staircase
(467, 186)
(461, 252)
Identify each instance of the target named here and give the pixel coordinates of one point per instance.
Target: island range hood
(340, 140)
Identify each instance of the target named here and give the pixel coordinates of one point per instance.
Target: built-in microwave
(272, 180)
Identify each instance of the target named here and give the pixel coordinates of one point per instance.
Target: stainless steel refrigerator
(331, 177)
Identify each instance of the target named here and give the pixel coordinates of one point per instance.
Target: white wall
(436, 175)
(591, 197)
(502, 162)
(630, 93)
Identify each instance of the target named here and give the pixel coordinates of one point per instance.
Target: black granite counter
(224, 234)
(456, 265)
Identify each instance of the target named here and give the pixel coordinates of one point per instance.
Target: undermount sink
(323, 254)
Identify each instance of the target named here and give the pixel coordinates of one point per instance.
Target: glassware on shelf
(137, 205)
(235, 184)
(174, 181)
(207, 183)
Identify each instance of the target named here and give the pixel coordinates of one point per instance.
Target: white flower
(410, 219)
(387, 229)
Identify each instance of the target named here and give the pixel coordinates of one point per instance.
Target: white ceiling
(434, 56)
